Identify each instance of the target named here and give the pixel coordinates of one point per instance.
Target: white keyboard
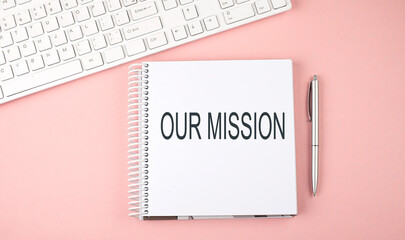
(44, 43)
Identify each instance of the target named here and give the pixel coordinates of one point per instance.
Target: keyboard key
(169, 4)
(59, 38)
(1, 93)
(38, 12)
(35, 29)
(90, 28)
(7, 4)
(69, 4)
(278, 3)
(28, 48)
(92, 61)
(12, 53)
(262, 6)
(67, 52)
(99, 42)
(6, 73)
(143, 10)
(7, 22)
(106, 23)
(226, 3)
(113, 5)
(85, 1)
(23, 1)
(121, 18)
(20, 68)
(142, 28)
(190, 12)
(211, 23)
(83, 47)
(97, 9)
(36, 62)
(51, 24)
(135, 47)
(129, 2)
(156, 40)
(5, 39)
(2, 58)
(183, 2)
(43, 77)
(23, 17)
(179, 33)
(114, 36)
(114, 54)
(53, 7)
(43, 43)
(75, 33)
(239, 13)
(82, 14)
(20, 34)
(195, 28)
(51, 57)
(66, 19)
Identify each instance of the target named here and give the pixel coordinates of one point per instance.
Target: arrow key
(190, 12)
(211, 23)
(179, 33)
(195, 28)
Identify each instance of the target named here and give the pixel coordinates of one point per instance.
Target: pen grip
(315, 168)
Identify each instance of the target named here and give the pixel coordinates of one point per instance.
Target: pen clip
(309, 107)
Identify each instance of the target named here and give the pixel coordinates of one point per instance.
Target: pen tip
(315, 77)
(314, 194)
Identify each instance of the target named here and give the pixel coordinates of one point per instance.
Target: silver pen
(313, 114)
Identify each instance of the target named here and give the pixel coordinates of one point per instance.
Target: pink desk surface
(63, 160)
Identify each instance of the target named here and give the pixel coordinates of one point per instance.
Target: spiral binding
(138, 139)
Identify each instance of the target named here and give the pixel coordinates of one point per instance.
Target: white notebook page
(211, 177)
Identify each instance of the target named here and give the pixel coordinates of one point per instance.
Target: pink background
(63, 160)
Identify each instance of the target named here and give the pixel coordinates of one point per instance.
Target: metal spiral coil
(138, 139)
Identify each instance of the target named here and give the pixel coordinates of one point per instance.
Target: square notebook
(212, 139)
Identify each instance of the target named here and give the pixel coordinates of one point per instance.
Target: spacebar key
(59, 72)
